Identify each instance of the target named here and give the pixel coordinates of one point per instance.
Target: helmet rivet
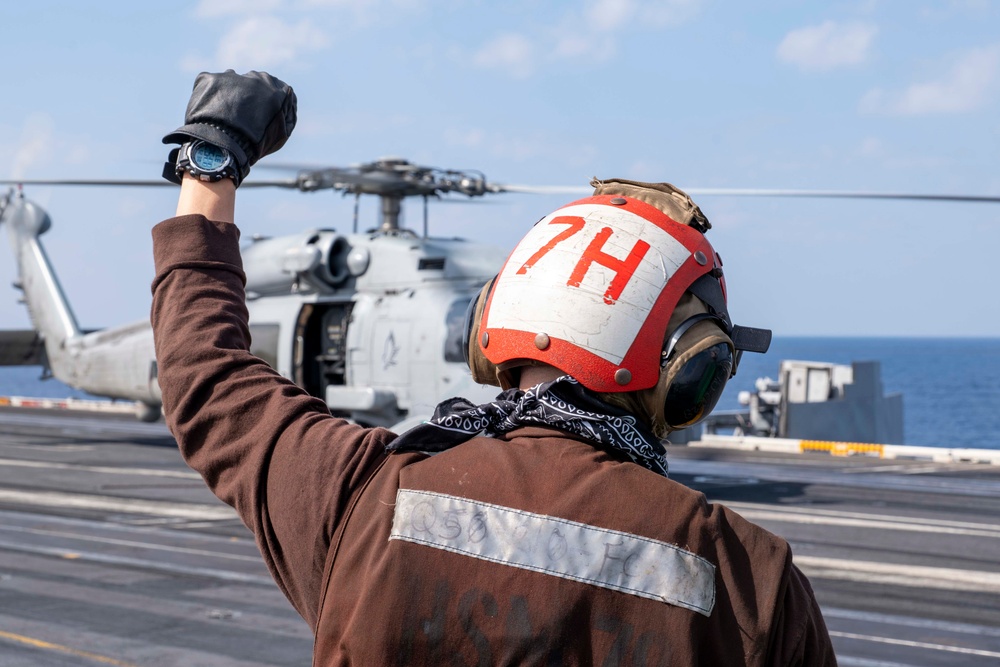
(542, 341)
(619, 201)
(623, 376)
(485, 339)
(699, 257)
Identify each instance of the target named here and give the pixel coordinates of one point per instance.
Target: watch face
(208, 158)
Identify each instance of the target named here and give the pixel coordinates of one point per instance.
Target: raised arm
(262, 444)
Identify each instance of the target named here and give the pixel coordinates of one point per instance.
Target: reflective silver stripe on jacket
(609, 558)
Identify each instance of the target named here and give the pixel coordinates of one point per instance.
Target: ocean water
(950, 386)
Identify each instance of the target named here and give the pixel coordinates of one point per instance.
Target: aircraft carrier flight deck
(113, 552)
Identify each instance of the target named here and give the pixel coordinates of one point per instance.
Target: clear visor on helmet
(697, 386)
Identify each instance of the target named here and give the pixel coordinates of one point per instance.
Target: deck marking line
(130, 543)
(118, 524)
(911, 622)
(115, 504)
(918, 576)
(38, 643)
(913, 644)
(827, 476)
(882, 524)
(812, 515)
(794, 509)
(141, 563)
(148, 472)
(851, 661)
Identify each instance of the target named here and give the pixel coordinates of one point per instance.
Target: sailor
(538, 529)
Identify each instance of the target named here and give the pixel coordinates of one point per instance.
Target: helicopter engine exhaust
(315, 259)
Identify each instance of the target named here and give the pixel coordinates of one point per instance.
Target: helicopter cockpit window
(264, 342)
(455, 323)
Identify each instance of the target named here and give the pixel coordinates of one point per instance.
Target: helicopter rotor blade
(306, 181)
(88, 181)
(541, 189)
(762, 192)
(336, 178)
(139, 183)
(455, 200)
(378, 181)
(842, 194)
(389, 176)
(289, 183)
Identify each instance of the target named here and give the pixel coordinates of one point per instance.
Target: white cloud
(196, 63)
(262, 42)
(968, 85)
(590, 34)
(362, 12)
(595, 48)
(828, 45)
(871, 147)
(472, 138)
(613, 15)
(570, 45)
(215, 8)
(510, 52)
(520, 148)
(36, 145)
(667, 13)
(78, 154)
(132, 207)
(350, 4)
(212, 9)
(645, 170)
(609, 14)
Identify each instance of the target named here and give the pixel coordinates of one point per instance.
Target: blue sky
(867, 95)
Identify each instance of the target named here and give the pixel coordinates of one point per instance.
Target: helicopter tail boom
(116, 363)
(47, 304)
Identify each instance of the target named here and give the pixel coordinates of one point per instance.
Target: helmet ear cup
(696, 385)
(697, 367)
(483, 370)
(692, 377)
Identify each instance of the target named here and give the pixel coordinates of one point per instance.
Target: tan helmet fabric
(670, 199)
(483, 370)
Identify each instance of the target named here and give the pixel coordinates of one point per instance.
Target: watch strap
(170, 172)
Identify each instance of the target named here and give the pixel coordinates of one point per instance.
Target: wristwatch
(206, 162)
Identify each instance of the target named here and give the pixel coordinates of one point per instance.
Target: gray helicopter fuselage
(375, 325)
(371, 323)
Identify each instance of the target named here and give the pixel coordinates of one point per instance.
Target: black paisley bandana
(562, 403)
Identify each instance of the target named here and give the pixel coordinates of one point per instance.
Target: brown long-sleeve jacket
(534, 548)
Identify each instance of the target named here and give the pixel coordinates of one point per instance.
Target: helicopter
(372, 321)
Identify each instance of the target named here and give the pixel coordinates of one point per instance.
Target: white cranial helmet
(623, 292)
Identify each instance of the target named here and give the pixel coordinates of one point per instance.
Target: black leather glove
(250, 115)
